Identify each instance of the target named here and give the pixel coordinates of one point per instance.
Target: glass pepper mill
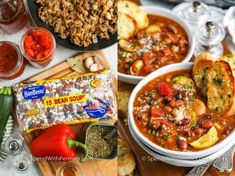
(209, 38)
(194, 13)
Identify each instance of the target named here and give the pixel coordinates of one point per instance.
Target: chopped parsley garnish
(157, 104)
(217, 109)
(188, 87)
(166, 136)
(192, 98)
(153, 93)
(129, 60)
(218, 81)
(123, 53)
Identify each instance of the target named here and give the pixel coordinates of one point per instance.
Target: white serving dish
(179, 162)
(169, 14)
(157, 148)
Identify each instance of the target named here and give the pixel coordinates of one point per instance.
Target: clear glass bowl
(42, 62)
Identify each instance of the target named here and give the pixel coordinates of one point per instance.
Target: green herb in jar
(98, 146)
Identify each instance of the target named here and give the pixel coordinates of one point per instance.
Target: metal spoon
(199, 170)
(225, 162)
(110, 134)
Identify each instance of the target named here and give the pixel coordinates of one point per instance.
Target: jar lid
(210, 33)
(194, 12)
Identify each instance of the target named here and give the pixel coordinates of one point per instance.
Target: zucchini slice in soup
(183, 83)
(207, 140)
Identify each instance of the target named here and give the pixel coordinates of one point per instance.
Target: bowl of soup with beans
(166, 40)
(168, 113)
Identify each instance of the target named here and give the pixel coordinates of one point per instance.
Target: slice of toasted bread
(142, 19)
(230, 58)
(126, 161)
(127, 26)
(220, 88)
(126, 6)
(134, 11)
(123, 98)
(201, 64)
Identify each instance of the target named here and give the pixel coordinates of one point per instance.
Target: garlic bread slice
(127, 26)
(134, 11)
(201, 65)
(220, 88)
(126, 160)
(230, 58)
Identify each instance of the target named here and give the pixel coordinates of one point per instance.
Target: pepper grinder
(194, 13)
(209, 37)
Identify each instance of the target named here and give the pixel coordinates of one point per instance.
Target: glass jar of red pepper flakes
(38, 46)
(13, 16)
(12, 62)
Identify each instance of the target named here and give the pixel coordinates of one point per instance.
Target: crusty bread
(127, 26)
(220, 88)
(201, 64)
(134, 11)
(230, 58)
(123, 98)
(126, 161)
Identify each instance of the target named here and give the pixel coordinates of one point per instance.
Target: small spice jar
(38, 46)
(12, 62)
(13, 16)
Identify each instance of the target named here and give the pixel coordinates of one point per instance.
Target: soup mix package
(71, 100)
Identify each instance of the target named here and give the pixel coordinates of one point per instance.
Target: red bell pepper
(58, 143)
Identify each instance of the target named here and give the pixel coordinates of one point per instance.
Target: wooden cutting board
(155, 168)
(90, 168)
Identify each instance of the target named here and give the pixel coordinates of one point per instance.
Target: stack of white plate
(175, 160)
(184, 159)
